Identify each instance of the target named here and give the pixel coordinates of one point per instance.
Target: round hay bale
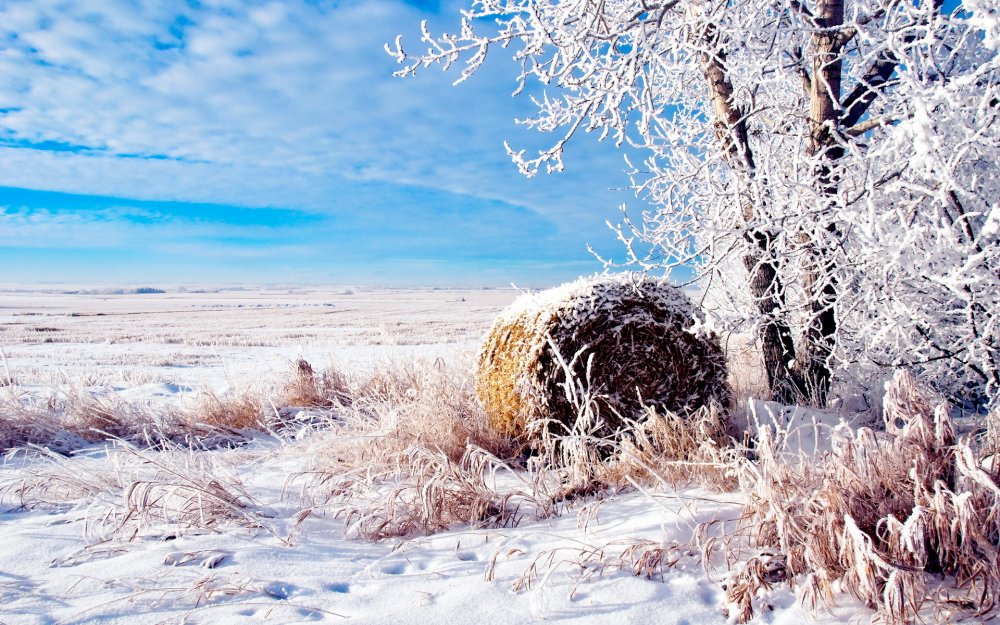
(630, 330)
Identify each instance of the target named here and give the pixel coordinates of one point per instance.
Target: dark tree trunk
(812, 367)
(774, 333)
(765, 286)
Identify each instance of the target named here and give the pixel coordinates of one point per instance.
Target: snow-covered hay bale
(631, 331)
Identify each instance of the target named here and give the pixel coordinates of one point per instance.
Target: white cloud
(130, 227)
(265, 103)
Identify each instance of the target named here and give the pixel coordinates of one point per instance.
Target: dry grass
(195, 591)
(753, 578)
(641, 558)
(132, 493)
(878, 517)
(402, 451)
(408, 451)
(307, 389)
(232, 413)
(395, 408)
(70, 419)
(434, 406)
(422, 493)
(413, 453)
(179, 497)
(649, 558)
(882, 515)
(675, 450)
(22, 426)
(56, 481)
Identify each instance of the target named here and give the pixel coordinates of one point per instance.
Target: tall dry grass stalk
(425, 492)
(661, 446)
(130, 492)
(674, 450)
(69, 419)
(881, 516)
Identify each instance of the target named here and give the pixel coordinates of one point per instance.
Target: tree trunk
(812, 367)
(774, 333)
(765, 286)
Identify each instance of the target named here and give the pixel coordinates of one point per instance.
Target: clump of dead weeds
(131, 493)
(424, 492)
(231, 413)
(882, 517)
(69, 419)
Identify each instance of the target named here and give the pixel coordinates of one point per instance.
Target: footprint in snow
(341, 587)
(394, 568)
(278, 590)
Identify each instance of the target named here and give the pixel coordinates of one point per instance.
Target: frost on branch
(829, 168)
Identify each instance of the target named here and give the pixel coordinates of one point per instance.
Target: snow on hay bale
(630, 330)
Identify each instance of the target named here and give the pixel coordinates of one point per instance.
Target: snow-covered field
(289, 573)
(112, 534)
(169, 343)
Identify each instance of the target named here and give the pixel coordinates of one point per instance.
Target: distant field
(173, 341)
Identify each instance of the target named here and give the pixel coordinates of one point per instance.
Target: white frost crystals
(829, 167)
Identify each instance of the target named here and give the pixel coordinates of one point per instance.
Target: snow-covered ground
(167, 344)
(288, 573)
(569, 569)
(60, 562)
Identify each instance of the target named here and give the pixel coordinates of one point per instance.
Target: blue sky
(147, 141)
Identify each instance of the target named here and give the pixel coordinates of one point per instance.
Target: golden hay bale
(631, 330)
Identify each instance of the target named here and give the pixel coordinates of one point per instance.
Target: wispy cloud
(384, 231)
(285, 104)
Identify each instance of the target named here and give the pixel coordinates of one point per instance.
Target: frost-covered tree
(829, 167)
